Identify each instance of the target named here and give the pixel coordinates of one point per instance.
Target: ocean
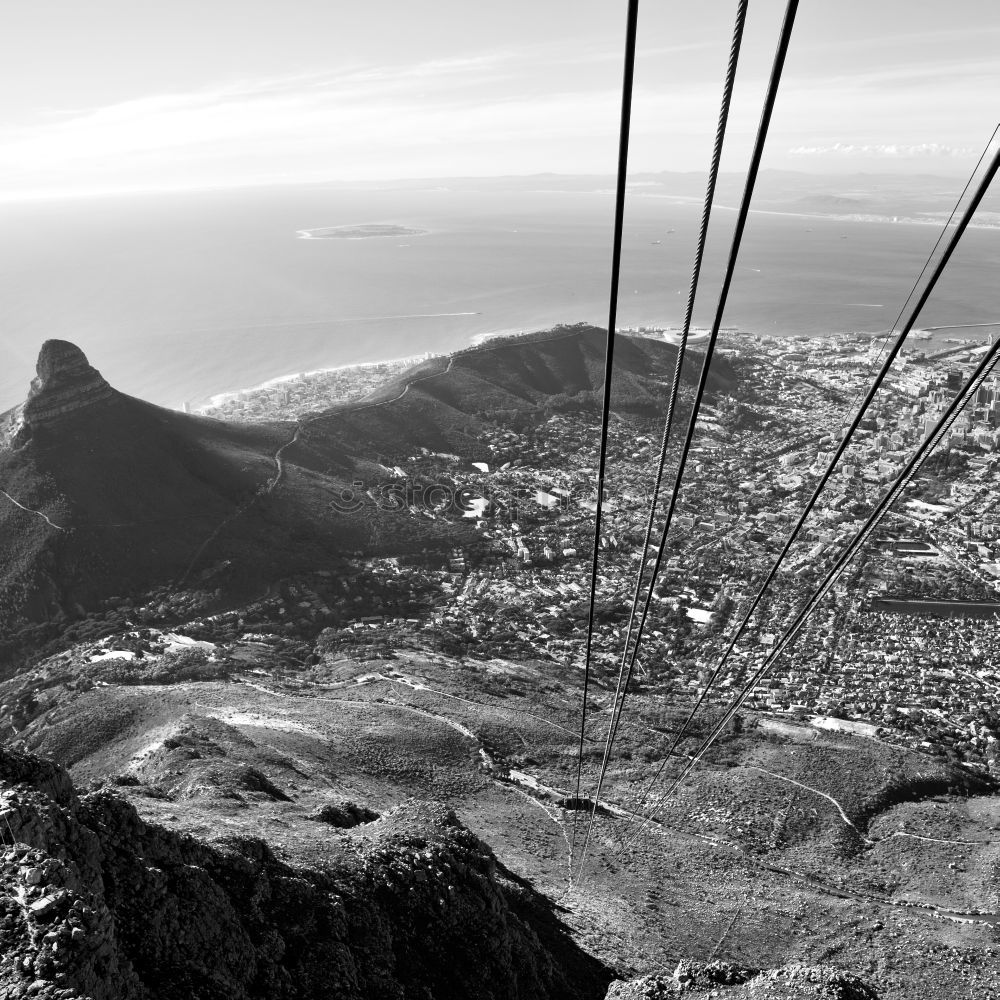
(179, 297)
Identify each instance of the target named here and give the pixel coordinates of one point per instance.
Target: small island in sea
(366, 232)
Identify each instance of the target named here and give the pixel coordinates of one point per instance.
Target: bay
(177, 297)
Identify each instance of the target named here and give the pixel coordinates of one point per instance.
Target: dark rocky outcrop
(344, 814)
(65, 382)
(97, 904)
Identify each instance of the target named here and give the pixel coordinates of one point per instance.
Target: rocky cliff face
(65, 382)
(97, 905)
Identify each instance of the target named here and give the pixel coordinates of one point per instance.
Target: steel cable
(737, 238)
(713, 175)
(824, 479)
(911, 468)
(927, 264)
(616, 254)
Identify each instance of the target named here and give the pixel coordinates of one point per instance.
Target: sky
(115, 95)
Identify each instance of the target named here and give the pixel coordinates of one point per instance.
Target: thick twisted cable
(706, 214)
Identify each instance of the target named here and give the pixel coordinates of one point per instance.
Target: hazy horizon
(953, 181)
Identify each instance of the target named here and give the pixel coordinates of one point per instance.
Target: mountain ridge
(105, 494)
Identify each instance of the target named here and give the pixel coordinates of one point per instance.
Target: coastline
(221, 398)
(478, 339)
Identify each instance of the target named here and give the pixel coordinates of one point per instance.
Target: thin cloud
(236, 110)
(355, 123)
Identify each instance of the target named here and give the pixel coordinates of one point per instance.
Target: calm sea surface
(180, 297)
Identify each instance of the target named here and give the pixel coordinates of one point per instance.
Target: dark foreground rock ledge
(724, 981)
(97, 905)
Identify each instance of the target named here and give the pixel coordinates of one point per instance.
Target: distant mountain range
(106, 495)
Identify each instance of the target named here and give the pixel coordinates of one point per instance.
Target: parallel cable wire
(927, 264)
(825, 478)
(713, 176)
(908, 472)
(912, 467)
(616, 255)
(737, 238)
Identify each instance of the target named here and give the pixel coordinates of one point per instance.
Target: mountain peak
(65, 382)
(58, 358)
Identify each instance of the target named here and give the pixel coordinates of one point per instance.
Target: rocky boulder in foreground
(96, 904)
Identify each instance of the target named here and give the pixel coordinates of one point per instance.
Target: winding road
(44, 517)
